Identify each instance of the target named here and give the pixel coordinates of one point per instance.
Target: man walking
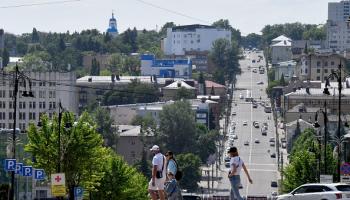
(156, 185)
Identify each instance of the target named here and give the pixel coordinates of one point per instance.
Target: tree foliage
(235, 33)
(303, 159)
(82, 152)
(190, 165)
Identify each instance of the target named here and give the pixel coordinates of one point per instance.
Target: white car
(235, 137)
(241, 96)
(317, 191)
(246, 143)
(245, 123)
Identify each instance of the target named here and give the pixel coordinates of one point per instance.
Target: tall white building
(338, 31)
(195, 37)
(49, 89)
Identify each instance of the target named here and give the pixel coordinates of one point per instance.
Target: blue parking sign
(27, 171)
(78, 192)
(10, 165)
(19, 168)
(39, 174)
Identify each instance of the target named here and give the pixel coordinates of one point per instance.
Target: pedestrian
(172, 187)
(236, 165)
(156, 185)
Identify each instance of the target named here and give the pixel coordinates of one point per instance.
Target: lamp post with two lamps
(17, 76)
(337, 74)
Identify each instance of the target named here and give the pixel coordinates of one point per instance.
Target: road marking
(257, 164)
(262, 170)
(251, 127)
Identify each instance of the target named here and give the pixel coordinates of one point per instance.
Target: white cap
(155, 148)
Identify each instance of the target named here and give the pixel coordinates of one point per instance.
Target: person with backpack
(236, 165)
(157, 183)
(172, 187)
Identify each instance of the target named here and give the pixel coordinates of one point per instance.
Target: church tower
(112, 30)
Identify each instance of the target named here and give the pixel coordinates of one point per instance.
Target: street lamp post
(338, 76)
(317, 125)
(17, 77)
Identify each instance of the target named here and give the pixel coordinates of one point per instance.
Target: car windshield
(343, 188)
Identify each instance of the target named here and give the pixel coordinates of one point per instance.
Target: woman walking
(171, 186)
(236, 165)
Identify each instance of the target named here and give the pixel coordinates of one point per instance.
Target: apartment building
(317, 66)
(196, 37)
(49, 88)
(338, 31)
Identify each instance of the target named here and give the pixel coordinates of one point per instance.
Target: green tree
(95, 67)
(104, 124)
(225, 56)
(282, 81)
(35, 36)
(177, 129)
(163, 30)
(115, 63)
(252, 40)
(36, 61)
(190, 165)
(184, 93)
(82, 153)
(132, 65)
(5, 58)
(121, 182)
(235, 33)
(201, 81)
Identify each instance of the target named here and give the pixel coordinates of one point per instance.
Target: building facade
(338, 31)
(195, 37)
(49, 88)
(281, 50)
(316, 67)
(166, 68)
(286, 68)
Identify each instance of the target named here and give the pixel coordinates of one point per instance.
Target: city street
(257, 156)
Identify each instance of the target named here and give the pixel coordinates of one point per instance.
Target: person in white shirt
(156, 185)
(236, 165)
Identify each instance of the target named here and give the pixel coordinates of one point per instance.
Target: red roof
(210, 84)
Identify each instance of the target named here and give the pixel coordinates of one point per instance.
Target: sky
(75, 15)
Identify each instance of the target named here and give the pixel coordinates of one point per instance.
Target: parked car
(273, 183)
(272, 139)
(273, 155)
(227, 164)
(272, 144)
(245, 123)
(255, 71)
(233, 113)
(256, 124)
(284, 145)
(255, 105)
(257, 141)
(227, 159)
(318, 191)
(260, 83)
(246, 143)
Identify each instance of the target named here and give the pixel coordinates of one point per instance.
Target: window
(42, 83)
(2, 94)
(32, 116)
(318, 63)
(22, 127)
(22, 116)
(22, 105)
(11, 105)
(42, 94)
(2, 104)
(10, 125)
(2, 125)
(332, 63)
(318, 78)
(325, 70)
(318, 70)
(10, 93)
(52, 94)
(2, 116)
(10, 115)
(326, 63)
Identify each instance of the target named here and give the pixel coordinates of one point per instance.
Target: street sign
(58, 184)
(19, 168)
(345, 179)
(345, 168)
(326, 178)
(10, 165)
(39, 174)
(58, 190)
(27, 171)
(78, 192)
(58, 179)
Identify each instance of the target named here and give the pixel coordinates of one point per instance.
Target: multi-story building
(338, 31)
(317, 66)
(166, 68)
(49, 88)
(281, 50)
(286, 68)
(181, 39)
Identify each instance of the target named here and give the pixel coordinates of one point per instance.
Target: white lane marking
(251, 127)
(262, 170)
(257, 164)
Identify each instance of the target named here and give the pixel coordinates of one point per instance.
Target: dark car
(273, 155)
(273, 183)
(191, 197)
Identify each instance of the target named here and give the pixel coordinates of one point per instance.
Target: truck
(248, 96)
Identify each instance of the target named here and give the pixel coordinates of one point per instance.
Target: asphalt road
(257, 156)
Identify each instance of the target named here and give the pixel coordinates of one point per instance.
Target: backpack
(179, 174)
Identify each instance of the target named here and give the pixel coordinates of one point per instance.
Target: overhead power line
(173, 12)
(39, 4)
